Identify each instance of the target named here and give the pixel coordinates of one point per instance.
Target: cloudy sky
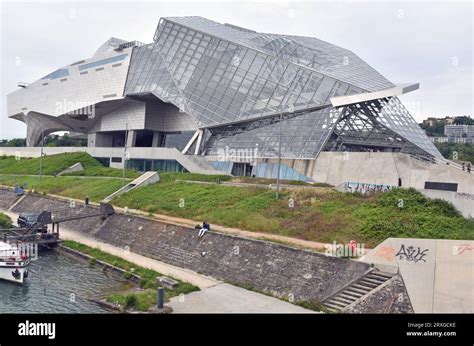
(407, 41)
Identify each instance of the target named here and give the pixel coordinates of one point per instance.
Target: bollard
(87, 201)
(161, 296)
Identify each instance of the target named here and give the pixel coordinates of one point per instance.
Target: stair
(356, 290)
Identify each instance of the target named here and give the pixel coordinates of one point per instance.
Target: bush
(130, 301)
(444, 207)
(5, 221)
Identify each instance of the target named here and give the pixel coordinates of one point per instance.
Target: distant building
(438, 139)
(432, 121)
(459, 133)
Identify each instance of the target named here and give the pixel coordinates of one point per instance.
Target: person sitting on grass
(205, 227)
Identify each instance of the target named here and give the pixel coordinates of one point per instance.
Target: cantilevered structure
(226, 95)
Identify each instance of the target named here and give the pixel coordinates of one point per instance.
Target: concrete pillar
(156, 139)
(131, 139)
(199, 140)
(92, 140)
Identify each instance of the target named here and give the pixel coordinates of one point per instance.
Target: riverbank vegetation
(317, 214)
(142, 299)
(54, 164)
(5, 221)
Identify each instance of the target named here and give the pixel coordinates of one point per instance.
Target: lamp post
(41, 157)
(124, 155)
(279, 157)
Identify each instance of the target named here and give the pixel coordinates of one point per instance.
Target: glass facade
(270, 170)
(302, 136)
(62, 72)
(235, 83)
(144, 165)
(218, 81)
(176, 140)
(102, 62)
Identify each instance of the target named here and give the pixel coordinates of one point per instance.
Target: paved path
(300, 243)
(225, 298)
(306, 244)
(190, 276)
(214, 296)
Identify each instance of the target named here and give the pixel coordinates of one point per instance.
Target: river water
(59, 283)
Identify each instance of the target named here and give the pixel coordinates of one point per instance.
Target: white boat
(13, 263)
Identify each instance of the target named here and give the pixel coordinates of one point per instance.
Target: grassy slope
(320, 215)
(73, 187)
(317, 214)
(54, 164)
(5, 221)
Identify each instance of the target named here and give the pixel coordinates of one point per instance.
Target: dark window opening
(118, 139)
(441, 186)
(242, 169)
(144, 138)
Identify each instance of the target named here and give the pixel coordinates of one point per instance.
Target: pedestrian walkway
(214, 297)
(225, 298)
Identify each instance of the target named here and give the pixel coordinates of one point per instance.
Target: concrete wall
(7, 198)
(61, 95)
(269, 267)
(336, 168)
(463, 202)
(385, 168)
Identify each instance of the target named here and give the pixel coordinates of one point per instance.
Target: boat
(13, 263)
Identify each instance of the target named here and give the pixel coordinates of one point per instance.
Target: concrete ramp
(77, 167)
(438, 274)
(145, 179)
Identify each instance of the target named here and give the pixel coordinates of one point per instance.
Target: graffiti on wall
(460, 195)
(463, 248)
(367, 188)
(411, 254)
(386, 252)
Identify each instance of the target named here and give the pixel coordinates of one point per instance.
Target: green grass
(323, 215)
(172, 176)
(72, 187)
(5, 221)
(138, 300)
(54, 164)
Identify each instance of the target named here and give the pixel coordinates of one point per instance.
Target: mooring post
(161, 296)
